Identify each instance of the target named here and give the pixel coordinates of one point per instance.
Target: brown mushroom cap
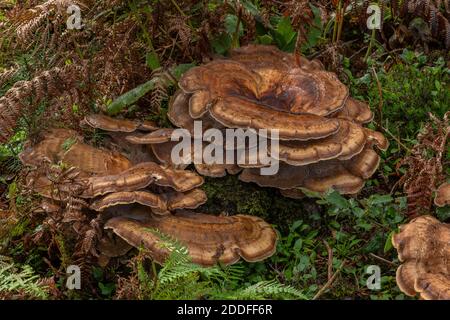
(377, 138)
(157, 136)
(139, 177)
(423, 246)
(49, 149)
(347, 176)
(188, 200)
(433, 286)
(235, 112)
(106, 123)
(217, 170)
(160, 203)
(354, 110)
(113, 246)
(178, 113)
(146, 198)
(209, 239)
(66, 146)
(347, 142)
(293, 193)
(163, 152)
(443, 195)
(277, 86)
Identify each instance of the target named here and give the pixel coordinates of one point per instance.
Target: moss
(229, 195)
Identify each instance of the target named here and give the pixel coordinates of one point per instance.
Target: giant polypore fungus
(443, 195)
(208, 238)
(69, 172)
(423, 247)
(322, 141)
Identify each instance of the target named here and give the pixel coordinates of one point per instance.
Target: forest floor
(326, 242)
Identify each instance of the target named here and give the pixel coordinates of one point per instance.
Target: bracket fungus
(86, 178)
(423, 247)
(443, 195)
(322, 141)
(209, 239)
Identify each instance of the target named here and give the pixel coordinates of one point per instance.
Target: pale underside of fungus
(423, 247)
(73, 175)
(322, 141)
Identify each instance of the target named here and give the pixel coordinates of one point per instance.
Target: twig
(178, 8)
(330, 259)
(329, 282)
(380, 93)
(395, 138)
(381, 259)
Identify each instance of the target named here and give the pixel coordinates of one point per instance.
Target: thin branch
(329, 282)
(380, 93)
(330, 259)
(381, 259)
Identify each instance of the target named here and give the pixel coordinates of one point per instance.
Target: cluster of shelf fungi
(135, 186)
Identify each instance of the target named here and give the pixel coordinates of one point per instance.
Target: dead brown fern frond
(159, 93)
(179, 25)
(24, 96)
(7, 74)
(29, 22)
(425, 165)
(131, 287)
(435, 12)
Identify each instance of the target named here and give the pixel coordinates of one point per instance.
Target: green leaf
(388, 244)
(231, 23)
(68, 143)
(265, 39)
(232, 28)
(180, 69)
(285, 34)
(334, 198)
(106, 289)
(296, 224)
(222, 43)
(250, 7)
(131, 97)
(152, 60)
(438, 85)
(380, 199)
(135, 94)
(315, 29)
(298, 245)
(335, 224)
(443, 213)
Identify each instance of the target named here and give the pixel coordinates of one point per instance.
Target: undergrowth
(126, 60)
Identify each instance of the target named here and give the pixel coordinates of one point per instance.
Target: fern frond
(267, 289)
(23, 283)
(7, 74)
(13, 104)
